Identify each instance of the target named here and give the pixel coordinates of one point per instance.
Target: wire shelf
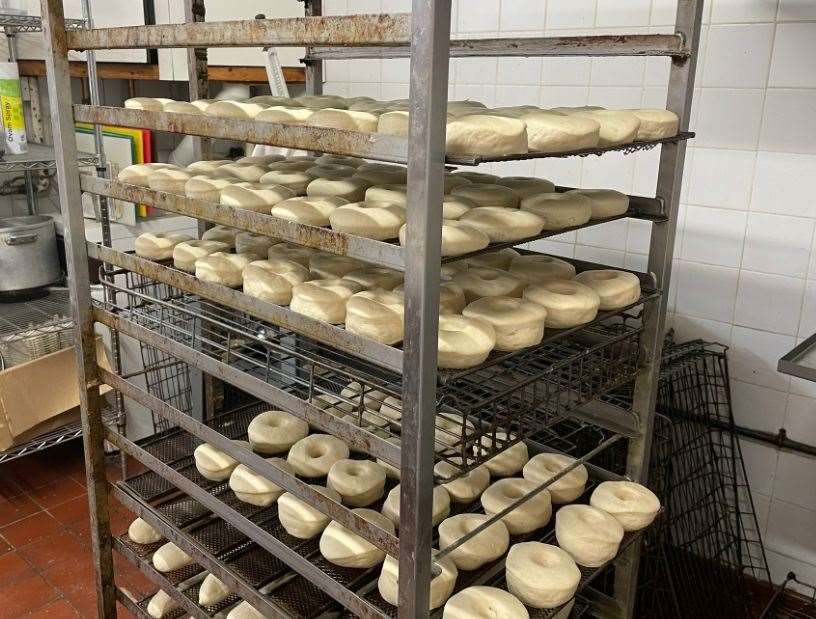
(40, 157)
(14, 23)
(793, 599)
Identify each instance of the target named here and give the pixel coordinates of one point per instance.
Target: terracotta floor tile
(57, 492)
(9, 488)
(25, 595)
(32, 473)
(31, 529)
(84, 602)
(71, 511)
(17, 508)
(61, 609)
(13, 567)
(123, 613)
(46, 552)
(4, 546)
(70, 575)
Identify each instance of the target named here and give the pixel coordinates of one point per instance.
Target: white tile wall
(745, 256)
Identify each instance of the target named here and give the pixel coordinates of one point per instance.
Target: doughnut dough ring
(510, 460)
(559, 210)
(158, 245)
(374, 220)
(340, 546)
(526, 186)
(465, 488)
(358, 482)
(222, 268)
(541, 575)
(256, 244)
(300, 519)
(214, 464)
(393, 194)
(440, 509)
(375, 278)
(442, 585)
(224, 234)
(656, 124)
(488, 194)
(631, 504)
(329, 266)
(500, 259)
(186, 253)
(504, 224)
(351, 189)
(479, 282)
(553, 132)
(568, 303)
(314, 455)
(517, 323)
(484, 547)
(463, 342)
(536, 268)
(274, 432)
(458, 238)
(616, 289)
(529, 516)
(250, 487)
(272, 280)
(377, 315)
(605, 202)
(487, 135)
(253, 196)
(312, 211)
(324, 299)
(481, 602)
(566, 489)
(590, 535)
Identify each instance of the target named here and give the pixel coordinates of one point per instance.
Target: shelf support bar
(314, 66)
(65, 150)
(669, 182)
(430, 42)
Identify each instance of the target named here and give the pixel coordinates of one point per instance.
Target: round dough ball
(541, 575)
(296, 253)
(347, 120)
(244, 610)
(375, 278)
(605, 202)
(313, 211)
(264, 160)
(324, 299)
(158, 245)
(453, 207)
(486, 546)
(504, 224)
(484, 603)
(533, 514)
(139, 173)
(319, 102)
(255, 196)
(169, 558)
(656, 124)
(140, 532)
(331, 265)
(474, 177)
(553, 132)
(169, 180)
(631, 504)
(486, 135)
(222, 268)
(250, 487)
(285, 115)
(559, 210)
(526, 186)
(326, 158)
(315, 454)
(440, 507)
(340, 546)
(394, 123)
(212, 591)
(296, 180)
(383, 175)
(186, 253)
(359, 482)
(375, 220)
(507, 462)
(150, 104)
(245, 172)
(393, 194)
(330, 171)
(442, 585)
(517, 323)
(500, 259)
(566, 489)
(458, 238)
(590, 535)
(224, 234)
(616, 289)
(536, 268)
(465, 488)
(272, 280)
(351, 189)
(478, 282)
(206, 189)
(376, 315)
(300, 519)
(617, 126)
(234, 109)
(255, 244)
(160, 605)
(463, 342)
(214, 464)
(207, 167)
(485, 194)
(274, 432)
(568, 303)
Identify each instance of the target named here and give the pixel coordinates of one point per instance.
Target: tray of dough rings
(258, 567)
(480, 412)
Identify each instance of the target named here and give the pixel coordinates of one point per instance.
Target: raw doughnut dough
(559, 210)
(158, 245)
(326, 158)
(212, 591)
(474, 177)
(319, 102)
(169, 180)
(324, 299)
(453, 207)
(568, 303)
(478, 282)
(517, 323)
(139, 173)
(314, 455)
(375, 220)
(484, 547)
(533, 514)
(541, 575)
(457, 238)
(507, 462)
(451, 181)
(300, 519)
(255, 489)
(615, 288)
(142, 533)
(246, 172)
(656, 124)
(394, 123)
(484, 194)
(272, 280)
(261, 159)
(448, 430)
(465, 488)
(440, 509)
(224, 234)
(313, 211)
(285, 115)
(169, 558)
(372, 399)
(351, 189)
(340, 546)
(222, 268)
(186, 253)
(322, 267)
(485, 134)
(377, 315)
(526, 186)
(359, 482)
(504, 224)
(214, 464)
(484, 603)
(255, 244)
(160, 604)
(515, 111)
(373, 278)
(294, 164)
(617, 127)
(205, 188)
(566, 489)
(296, 253)
(463, 342)
(206, 167)
(631, 504)
(442, 585)
(553, 132)
(273, 100)
(536, 268)
(394, 194)
(274, 432)
(447, 271)
(590, 535)
(344, 119)
(296, 180)
(151, 104)
(255, 196)
(605, 202)
(244, 610)
(495, 260)
(330, 171)
(451, 297)
(385, 175)
(234, 109)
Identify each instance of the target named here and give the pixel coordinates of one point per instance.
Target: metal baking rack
(287, 360)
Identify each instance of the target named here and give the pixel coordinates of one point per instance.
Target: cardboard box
(41, 396)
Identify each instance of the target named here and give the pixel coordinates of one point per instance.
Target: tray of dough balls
(475, 133)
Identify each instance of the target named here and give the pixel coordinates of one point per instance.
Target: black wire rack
(793, 599)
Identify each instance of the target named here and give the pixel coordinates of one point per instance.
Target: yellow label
(13, 116)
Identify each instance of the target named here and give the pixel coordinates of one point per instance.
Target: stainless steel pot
(28, 253)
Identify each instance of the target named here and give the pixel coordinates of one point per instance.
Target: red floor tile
(9, 488)
(13, 567)
(71, 511)
(49, 550)
(4, 546)
(25, 595)
(84, 602)
(31, 529)
(68, 576)
(57, 493)
(17, 508)
(61, 609)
